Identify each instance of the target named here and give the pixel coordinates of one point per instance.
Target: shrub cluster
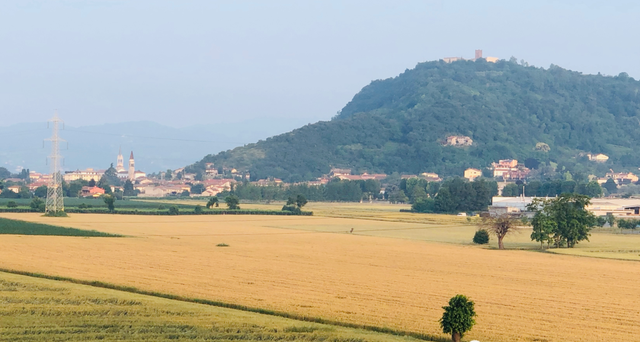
(481, 237)
(628, 224)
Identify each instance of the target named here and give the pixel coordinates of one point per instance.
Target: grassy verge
(161, 212)
(8, 226)
(317, 320)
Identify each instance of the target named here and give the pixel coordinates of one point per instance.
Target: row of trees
(454, 195)
(335, 191)
(553, 188)
(23, 174)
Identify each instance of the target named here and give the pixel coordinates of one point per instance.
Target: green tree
(128, 188)
(510, 190)
(301, 201)
(198, 209)
(4, 173)
(173, 210)
(24, 174)
(611, 186)
(110, 201)
(593, 189)
(167, 175)
(41, 191)
(532, 188)
(444, 202)
(111, 174)
(418, 193)
(568, 186)
(198, 188)
(398, 196)
(37, 204)
(104, 184)
(423, 205)
(481, 237)
(212, 201)
(233, 202)
(458, 317)
(543, 224)
(611, 220)
(566, 215)
(73, 189)
(24, 192)
(12, 204)
(199, 176)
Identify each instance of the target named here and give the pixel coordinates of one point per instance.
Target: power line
(155, 138)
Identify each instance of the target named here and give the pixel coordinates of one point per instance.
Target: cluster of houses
(507, 169)
(91, 174)
(216, 180)
(478, 55)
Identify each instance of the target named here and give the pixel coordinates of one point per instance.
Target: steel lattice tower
(55, 201)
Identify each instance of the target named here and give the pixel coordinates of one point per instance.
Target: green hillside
(399, 124)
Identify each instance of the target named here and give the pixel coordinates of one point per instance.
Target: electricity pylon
(55, 201)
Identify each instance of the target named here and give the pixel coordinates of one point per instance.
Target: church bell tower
(132, 167)
(120, 164)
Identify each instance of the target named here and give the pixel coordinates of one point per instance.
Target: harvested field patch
(397, 283)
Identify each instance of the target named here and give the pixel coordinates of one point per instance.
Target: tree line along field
(320, 270)
(36, 309)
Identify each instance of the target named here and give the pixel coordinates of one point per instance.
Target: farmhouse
(458, 141)
(339, 172)
(14, 188)
(94, 191)
(472, 174)
(598, 158)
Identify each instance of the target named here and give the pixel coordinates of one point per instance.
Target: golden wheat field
(312, 266)
(36, 309)
(604, 243)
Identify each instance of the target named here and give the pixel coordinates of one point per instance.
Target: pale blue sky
(182, 63)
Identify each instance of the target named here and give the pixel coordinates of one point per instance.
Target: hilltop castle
(131, 173)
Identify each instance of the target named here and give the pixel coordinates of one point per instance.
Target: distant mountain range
(156, 147)
(399, 124)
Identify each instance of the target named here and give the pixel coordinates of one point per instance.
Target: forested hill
(399, 124)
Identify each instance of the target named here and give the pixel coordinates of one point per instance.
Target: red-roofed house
(94, 191)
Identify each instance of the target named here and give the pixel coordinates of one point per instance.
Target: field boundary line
(311, 319)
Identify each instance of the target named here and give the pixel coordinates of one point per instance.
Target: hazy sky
(182, 63)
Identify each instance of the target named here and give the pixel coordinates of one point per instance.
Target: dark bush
(423, 205)
(173, 210)
(292, 208)
(12, 204)
(481, 237)
(37, 204)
